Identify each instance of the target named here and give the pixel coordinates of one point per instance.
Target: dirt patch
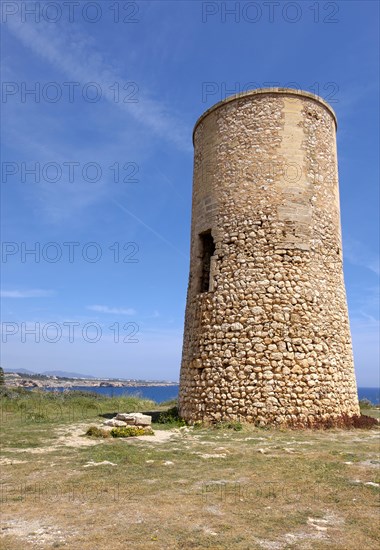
(315, 529)
(10, 461)
(76, 438)
(369, 463)
(102, 463)
(160, 436)
(34, 533)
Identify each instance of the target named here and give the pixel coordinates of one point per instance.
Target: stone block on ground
(135, 419)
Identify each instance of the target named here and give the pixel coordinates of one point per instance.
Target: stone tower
(267, 337)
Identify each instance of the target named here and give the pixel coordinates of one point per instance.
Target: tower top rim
(268, 91)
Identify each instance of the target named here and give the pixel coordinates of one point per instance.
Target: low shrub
(171, 416)
(12, 393)
(94, 431)
(365, 422)
(131, 431)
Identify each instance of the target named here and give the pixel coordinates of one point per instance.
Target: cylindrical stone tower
(267, 337)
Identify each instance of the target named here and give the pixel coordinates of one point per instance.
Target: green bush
(131, 431)
(171, 416)
(12, 393)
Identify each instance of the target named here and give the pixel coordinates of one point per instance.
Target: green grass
(222, 487)
(34, 407)
(369, 409)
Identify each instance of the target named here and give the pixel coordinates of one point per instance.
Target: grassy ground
(185, 488)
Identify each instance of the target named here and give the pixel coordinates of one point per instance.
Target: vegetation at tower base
(344, 421)
(267, 337)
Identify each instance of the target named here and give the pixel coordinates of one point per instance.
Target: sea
(159, 394)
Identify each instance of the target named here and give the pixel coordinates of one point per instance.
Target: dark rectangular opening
(207, 251)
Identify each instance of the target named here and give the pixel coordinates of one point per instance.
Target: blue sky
(108, 131)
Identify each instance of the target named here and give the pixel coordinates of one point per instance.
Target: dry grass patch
(187, 488)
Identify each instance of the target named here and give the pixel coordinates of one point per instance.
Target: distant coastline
(14, 379)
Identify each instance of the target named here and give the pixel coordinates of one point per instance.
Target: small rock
(236, 326)
(104, 463)
(221, 455)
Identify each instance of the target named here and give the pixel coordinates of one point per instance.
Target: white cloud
(74, 53)
(359, 254)
(112, 310)
(71, 56)
(33, 293)
(149, 228)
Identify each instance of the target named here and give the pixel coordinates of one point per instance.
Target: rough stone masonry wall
(270, 341)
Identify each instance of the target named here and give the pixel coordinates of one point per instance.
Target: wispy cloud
(70, 55)
(149, 228)
(112, 310)
(74, 53)
(33, 293)
(359, 254)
